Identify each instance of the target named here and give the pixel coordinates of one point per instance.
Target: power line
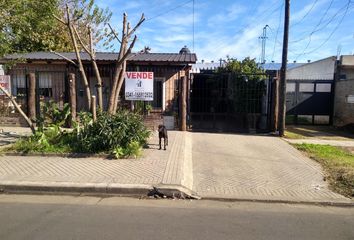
(307, 13)
(334, 30)
(261, 17)
(329, 36)
(319, 23)
(276, 35)
(170, 10)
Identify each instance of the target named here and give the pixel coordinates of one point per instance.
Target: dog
(163, 134)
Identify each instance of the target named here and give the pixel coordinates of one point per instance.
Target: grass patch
(293, 135)
(338, 164)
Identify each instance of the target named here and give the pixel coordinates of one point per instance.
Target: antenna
(264, 39)
(339, 50)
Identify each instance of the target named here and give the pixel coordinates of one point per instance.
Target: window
(307, 87)
(158, 93)
(290, 87)
(45, 84)
(18, 84)
(323, 87)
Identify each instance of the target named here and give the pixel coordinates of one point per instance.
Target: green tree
(28, 25)
(246, 85)
(246, 66)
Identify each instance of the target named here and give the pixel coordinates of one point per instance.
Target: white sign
(350, 99)
(139, 86)
(5, 83)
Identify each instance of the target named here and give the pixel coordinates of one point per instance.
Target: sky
(318, 28)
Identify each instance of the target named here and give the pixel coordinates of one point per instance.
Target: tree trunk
(113, 96)
(93, 108)
(275, 105)
(31, 105)
(81, 68)
(72, 100)
(99, 85)
(120, 83)
(77, 52)
(183, 104)
(18, 108)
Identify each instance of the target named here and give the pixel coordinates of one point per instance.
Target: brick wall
(16, 121)
(344, 111)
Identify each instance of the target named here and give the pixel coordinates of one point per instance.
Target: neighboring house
(310, 92)
(52, 71)
(204, 67)
(273, 66)
(344, 92)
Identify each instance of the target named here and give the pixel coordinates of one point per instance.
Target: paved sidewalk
(339, 143)
(155, 168)
(9, 135)
(256, 168)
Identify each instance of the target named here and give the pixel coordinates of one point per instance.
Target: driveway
(257, 168)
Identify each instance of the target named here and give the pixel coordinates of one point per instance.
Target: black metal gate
(309, 102)
(228, 102)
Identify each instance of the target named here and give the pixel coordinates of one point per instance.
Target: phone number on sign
(139, 95)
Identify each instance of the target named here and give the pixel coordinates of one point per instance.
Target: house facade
(52, 71)
(310, 92)
(344, 92)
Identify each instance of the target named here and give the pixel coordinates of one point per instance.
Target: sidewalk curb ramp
(136, 190)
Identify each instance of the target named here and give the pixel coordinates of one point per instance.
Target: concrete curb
(69, 187)
(137, 190)
(302, 202)
(66, 155)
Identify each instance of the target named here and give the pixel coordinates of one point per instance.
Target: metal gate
(228, 102)
(309, 102)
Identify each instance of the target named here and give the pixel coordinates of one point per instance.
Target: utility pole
(282, 84)
(264, 39)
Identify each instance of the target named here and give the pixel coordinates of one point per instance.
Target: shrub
(51, 115)
(109, 132)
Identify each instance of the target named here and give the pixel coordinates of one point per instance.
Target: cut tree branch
(67, 59)
(114, 33)
(59, 19)
(142, 19)
(18, 108)
(80, 41)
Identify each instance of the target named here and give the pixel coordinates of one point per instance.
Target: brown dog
(163, 134)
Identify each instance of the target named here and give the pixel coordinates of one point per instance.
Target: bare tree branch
(60, 20)
(142, 19)
(114, 33)
(80, 40)
(67, 59)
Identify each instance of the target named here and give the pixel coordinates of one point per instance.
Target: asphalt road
(68, 217)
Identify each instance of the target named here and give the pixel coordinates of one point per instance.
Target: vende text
(140, 75)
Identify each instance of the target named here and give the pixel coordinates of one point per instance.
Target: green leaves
(28, 25)
(52, 115)
(109, 132)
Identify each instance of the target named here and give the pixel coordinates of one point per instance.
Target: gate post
(31, 104)
(275, 103)
(72, 99)
(183, 105)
